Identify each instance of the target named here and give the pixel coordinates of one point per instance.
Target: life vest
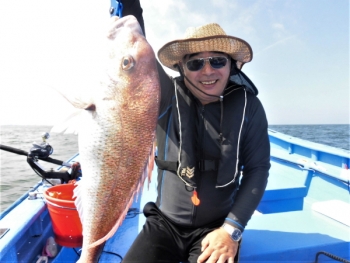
(179, 149)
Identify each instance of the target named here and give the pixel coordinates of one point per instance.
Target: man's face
(208, 79)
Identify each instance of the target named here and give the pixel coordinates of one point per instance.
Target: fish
(116, 137)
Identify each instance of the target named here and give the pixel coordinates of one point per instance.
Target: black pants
(163, 241)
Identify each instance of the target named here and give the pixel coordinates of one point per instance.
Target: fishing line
(76, 252)
(132, 212)
(112, 253)
(331, 256)
(103, 251)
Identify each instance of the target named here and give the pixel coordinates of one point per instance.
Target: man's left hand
(218, 247)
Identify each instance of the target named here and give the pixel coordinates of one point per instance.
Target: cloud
(278, 26)
(168, 21)
(273, 45)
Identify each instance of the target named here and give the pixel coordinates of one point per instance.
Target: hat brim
(173, 52)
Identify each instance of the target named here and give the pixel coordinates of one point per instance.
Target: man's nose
(207, 68)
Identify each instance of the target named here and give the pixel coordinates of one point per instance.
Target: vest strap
(166, 165)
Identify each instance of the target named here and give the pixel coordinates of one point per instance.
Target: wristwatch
(235, 233)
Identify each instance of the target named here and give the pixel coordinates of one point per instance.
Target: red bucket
(64, 215)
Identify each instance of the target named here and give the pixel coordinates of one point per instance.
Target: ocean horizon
(17, 177)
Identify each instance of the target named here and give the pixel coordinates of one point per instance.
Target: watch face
(236, 235)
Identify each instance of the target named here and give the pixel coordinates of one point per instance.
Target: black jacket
(246, 145)
(236, 202)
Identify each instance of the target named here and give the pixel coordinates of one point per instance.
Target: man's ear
(180, 70)
(234, 70)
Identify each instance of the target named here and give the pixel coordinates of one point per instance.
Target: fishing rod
(42, 152)
(22, 152)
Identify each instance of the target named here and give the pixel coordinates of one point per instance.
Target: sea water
(17, 177)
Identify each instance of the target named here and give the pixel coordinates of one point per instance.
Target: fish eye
(127, 63)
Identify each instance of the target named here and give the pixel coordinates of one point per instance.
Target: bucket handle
(59, 206)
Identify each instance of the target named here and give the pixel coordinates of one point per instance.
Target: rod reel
(42, 151)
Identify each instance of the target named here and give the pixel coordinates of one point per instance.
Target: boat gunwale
(309, 144)
(19, 200)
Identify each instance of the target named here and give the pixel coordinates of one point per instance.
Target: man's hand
(218, 247)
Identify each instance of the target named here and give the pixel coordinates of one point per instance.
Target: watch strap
(234, 232)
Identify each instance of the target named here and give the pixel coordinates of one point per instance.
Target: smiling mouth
(208, 82)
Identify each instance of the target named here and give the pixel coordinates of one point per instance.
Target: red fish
(116, 140)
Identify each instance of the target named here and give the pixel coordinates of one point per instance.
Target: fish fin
(146, 173)
(151, 162)
(79, 101)
(70, 125)
(85, 107)
(78, 201)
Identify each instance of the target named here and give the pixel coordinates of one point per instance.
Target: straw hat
(210, 37)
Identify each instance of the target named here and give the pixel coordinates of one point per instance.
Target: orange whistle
(195, 199)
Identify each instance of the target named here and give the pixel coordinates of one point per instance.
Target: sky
(300, 53)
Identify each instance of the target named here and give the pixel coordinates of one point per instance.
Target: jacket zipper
(200, 135)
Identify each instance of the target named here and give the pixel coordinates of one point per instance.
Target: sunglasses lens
(218, 62)
(215, 62)
(195, 64)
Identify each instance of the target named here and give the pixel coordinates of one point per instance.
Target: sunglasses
(198, 63)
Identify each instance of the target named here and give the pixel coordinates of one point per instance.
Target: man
(213, 150)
